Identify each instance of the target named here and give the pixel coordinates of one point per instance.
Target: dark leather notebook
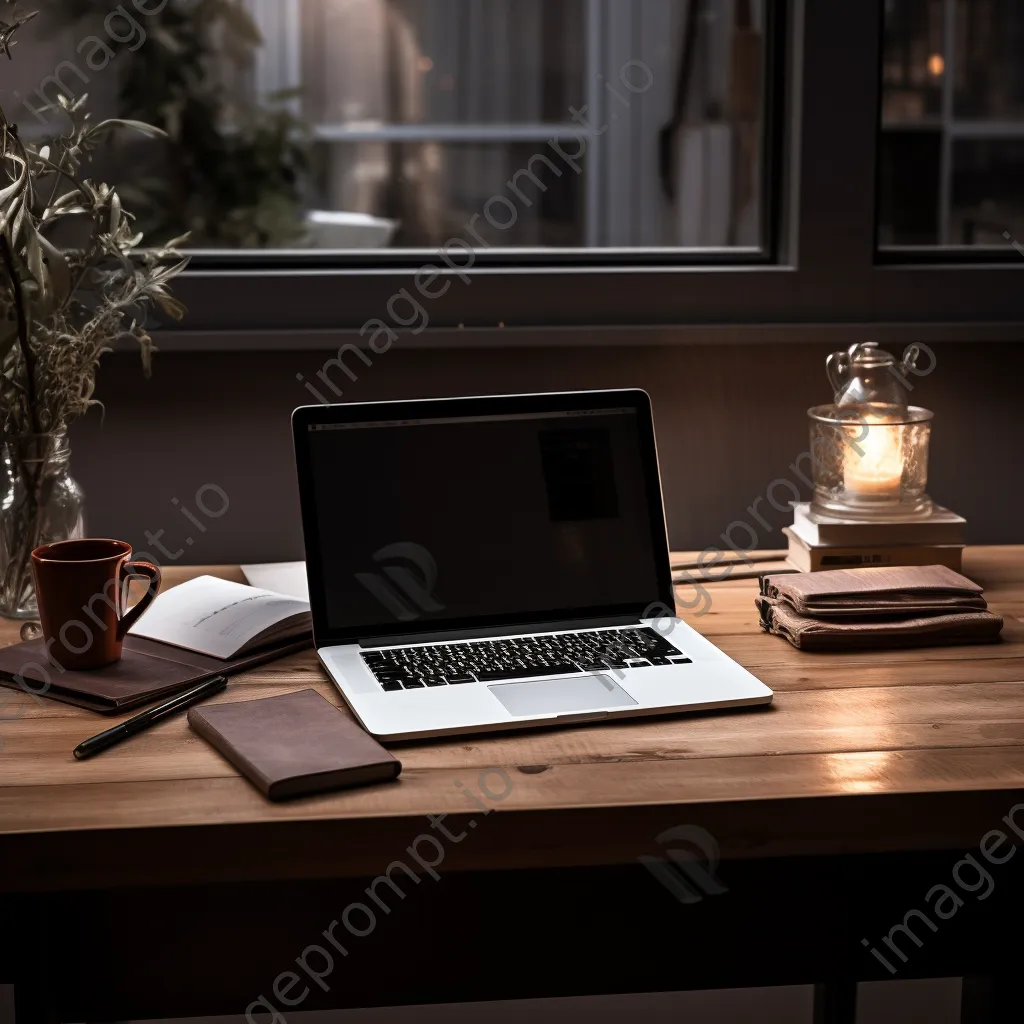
(879, 631)
(294, 744)
(876, 607)
(876, 590)
(147, 671)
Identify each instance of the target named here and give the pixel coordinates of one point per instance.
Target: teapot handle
(910, 357)
(837, 366)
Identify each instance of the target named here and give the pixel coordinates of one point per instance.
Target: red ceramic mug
(81, 587)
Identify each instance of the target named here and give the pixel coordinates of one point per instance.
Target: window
(626, 171)
(556, 122)
(952, 146)
(361, 125)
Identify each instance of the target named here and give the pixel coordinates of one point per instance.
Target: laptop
(479, 564)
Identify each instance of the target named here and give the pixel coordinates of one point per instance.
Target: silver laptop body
(490, 563)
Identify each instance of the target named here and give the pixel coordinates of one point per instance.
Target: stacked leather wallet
(878, 607)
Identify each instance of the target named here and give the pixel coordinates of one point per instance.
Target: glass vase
(40, 503)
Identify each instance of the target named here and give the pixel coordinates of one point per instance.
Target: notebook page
(280, 577)
(215, 617)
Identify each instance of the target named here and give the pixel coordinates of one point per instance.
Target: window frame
(821, 276)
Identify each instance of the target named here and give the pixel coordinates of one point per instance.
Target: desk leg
(31, 1006)
(835, 1002)
(33, 955)
(975, 1001)
(992, 1000)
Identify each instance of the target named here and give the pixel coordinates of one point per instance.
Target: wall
(730, 420)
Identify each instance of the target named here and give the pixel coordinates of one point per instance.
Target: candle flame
(874, 463)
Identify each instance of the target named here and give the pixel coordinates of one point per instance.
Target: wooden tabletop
(895, 750)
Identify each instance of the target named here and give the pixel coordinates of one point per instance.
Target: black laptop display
(476, 512)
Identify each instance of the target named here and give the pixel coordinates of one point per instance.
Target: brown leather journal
(147, 671)
(294, 744)
(815, 634)
(896, 590)
(890, 606)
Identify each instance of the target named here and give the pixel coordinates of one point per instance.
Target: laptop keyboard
(486, 661)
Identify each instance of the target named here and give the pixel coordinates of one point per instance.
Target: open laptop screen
(450, 521)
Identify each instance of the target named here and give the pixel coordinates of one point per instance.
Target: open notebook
(199, 629)
(223, 619)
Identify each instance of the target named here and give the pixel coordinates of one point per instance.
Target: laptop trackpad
(560, 695)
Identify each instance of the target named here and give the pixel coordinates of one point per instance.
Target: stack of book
(822, 542)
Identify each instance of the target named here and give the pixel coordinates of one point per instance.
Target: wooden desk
(909, 754)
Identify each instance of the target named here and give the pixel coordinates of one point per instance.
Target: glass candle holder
(870, 462)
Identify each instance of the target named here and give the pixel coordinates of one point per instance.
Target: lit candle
(874, 462)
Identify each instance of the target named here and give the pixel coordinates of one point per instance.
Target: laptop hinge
(452, 635)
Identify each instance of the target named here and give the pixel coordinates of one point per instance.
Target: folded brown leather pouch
(810, 634)
(876, 590)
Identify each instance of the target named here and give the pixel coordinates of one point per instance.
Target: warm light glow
(879, 470)
(936, 65)
(859, 771)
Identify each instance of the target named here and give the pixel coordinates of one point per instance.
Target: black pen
(95, 744)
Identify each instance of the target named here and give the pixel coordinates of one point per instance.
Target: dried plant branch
(64, 304)
(74, 279)
(29, 390)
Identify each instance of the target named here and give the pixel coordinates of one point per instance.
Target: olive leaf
(10, 191)
(123, 122)
(7, 30)
(49, 267)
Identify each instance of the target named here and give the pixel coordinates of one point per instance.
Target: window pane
(363, 124)
(913, 62)
(439, 62)
(990, 59)
(443, 188)
(952, 139)
(987, 194)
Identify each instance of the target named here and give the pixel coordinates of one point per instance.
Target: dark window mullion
(841, 73)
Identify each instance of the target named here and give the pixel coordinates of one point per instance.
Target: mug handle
(129, 570)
